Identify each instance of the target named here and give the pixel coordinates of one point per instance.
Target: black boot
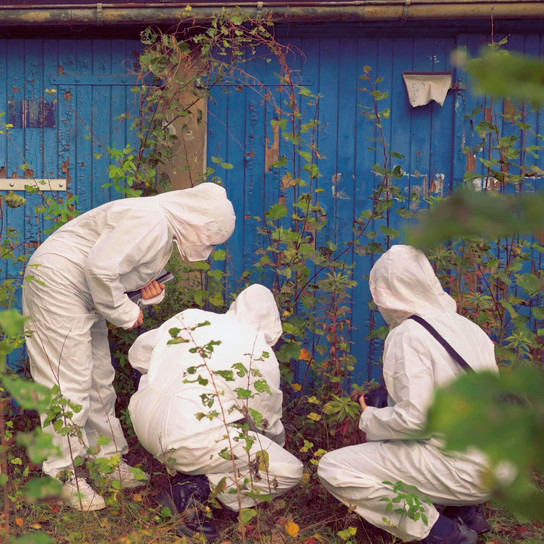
(472, 516)
(186, 498)
(460, 534)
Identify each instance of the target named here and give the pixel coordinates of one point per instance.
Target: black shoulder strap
(462, 363)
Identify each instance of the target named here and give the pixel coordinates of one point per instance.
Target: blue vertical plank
(15, 146)
(530, 114)
(474, 103)
(255, 146)
(121, 64)
(344, 194)
(422, 128)
(67, 125)
(365, 138)
(307, 50)
(84, 133)
(401, 111)
(442, 150)
(506, 127)
(235, 178)
(461, 99)
(33, 150)
(51, 134)
(385, 69)
(96, 58)
(217, 136)
(329, 56)
(3, 121)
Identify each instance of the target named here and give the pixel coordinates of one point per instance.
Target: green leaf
(219, 255)
(389, 231)
(306, 155)
(28, 394)
(243, 393)
(247, 514)
(277, 211)
(42, 488)
(12, 322)
(530, 282)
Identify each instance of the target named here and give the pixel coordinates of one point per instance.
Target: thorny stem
(4, 468)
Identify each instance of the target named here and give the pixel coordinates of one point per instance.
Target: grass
(135, 517)
(306, 515)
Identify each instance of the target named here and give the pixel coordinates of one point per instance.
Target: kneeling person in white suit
(205, 374)
(402, 284)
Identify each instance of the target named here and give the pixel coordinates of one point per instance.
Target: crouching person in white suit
(209, 406)
(403, 284)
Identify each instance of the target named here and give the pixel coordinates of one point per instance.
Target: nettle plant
(311, 277)
(24, 445)
(497, 282)
(244, 381)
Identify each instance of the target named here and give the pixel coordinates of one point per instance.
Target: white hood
(403, 283)
(256, 307)
(201, 218)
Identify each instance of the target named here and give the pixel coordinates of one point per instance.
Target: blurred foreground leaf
(503, 416)
(467, 213)
(503, 74)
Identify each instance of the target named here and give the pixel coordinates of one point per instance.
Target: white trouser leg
(355, 476)
(60, 350)
(243, 475)
(102, 420)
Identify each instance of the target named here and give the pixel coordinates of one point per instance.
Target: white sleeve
(409, 378)
(119, 250)
(139, 354)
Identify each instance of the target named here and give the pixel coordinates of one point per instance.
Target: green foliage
(496, 276)
(503, 416)
(502, 74)
(469, 214)
(408, 502)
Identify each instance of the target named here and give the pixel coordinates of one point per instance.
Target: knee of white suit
(334, 471)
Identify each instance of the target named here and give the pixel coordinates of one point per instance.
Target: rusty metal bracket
(406, 10)
(19, 184)
(458, 86)
(99, 19)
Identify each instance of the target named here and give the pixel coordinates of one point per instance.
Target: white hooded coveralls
(402, 283)
(187, 403)
(76, 281)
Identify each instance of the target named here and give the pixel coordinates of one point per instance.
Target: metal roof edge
(101, 14)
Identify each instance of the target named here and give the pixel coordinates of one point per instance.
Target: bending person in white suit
(209, 403)
(402, 284)
(78, 279)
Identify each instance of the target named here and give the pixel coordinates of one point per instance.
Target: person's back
(209, 404)
(200, 373)
(415, 363)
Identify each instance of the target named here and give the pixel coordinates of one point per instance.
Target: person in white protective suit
(77, 280)
(190, 404)
(402, 283)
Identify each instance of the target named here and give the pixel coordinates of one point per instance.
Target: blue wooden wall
(431, 138)
(63, 96)
(61, 99)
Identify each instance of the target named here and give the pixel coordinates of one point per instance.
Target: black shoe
(472, 516)
(461, 534)
(186, 498)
